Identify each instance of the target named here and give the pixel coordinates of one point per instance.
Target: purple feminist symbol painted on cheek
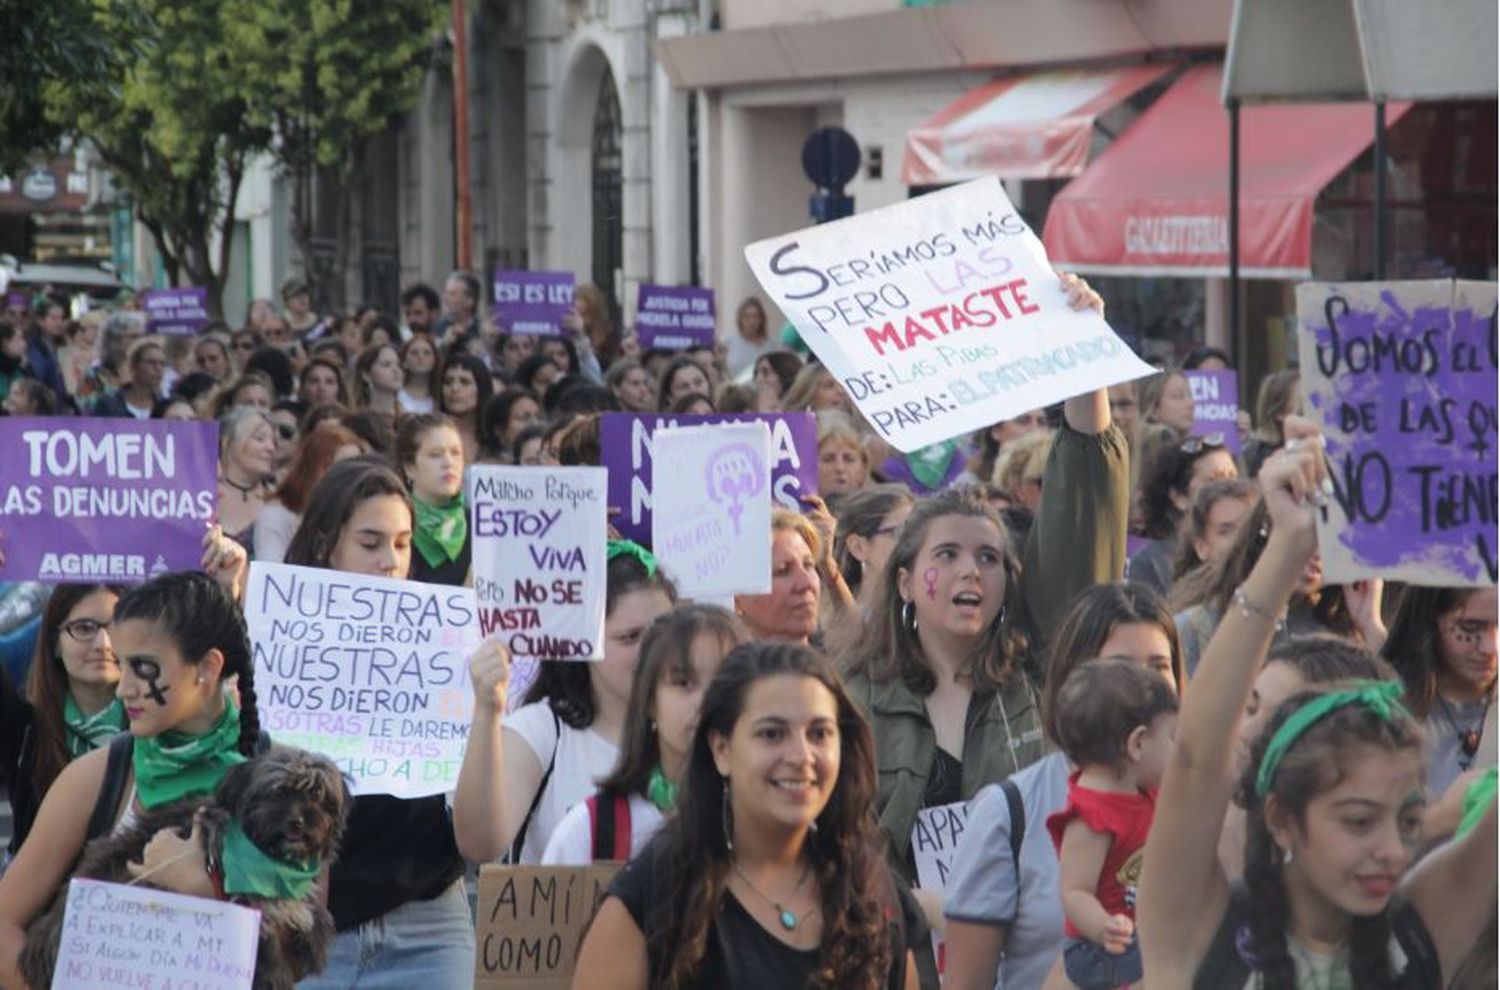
(931, 577)
(734, 474)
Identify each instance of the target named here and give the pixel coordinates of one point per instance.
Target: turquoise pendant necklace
(784, 914)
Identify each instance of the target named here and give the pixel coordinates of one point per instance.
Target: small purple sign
(1216, 405)
(532, 303)
(626, 440)
(177, 312)
(17, 300)
(106, 500)
(674, 317)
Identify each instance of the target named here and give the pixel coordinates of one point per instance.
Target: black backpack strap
(112, 788)
(1222, 965)
(604, 826)
(1423, 968)
(1017, 820)
(516, 847)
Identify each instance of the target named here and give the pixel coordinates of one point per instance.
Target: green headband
(1380, 697)
(630, 548)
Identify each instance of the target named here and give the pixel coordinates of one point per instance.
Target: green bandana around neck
(1382, 698)
(249, 870)
(661, 791)
(441, 530)
(89, 732)
(929, 465)
(176, 765)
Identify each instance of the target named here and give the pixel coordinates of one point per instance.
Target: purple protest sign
(674, 317)
(17, 300)
(178, 312)
(532, 302)
(1216, 405)
(105, 499)
(626, 442)
(1401, 376)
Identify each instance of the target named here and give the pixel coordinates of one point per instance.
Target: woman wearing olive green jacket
(936, 668)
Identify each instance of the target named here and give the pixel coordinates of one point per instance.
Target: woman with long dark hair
(1333, 796)
(772, 873)
(1169, 484)
(466, 386)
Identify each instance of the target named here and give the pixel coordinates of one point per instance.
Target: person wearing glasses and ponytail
(1170, 482)
(1333, 796)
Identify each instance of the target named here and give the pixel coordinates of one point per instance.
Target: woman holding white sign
(396, 891)
(520, 775)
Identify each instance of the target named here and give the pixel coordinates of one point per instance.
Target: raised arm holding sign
(940, 315)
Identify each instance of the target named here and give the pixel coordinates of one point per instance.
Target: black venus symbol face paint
(150, 672)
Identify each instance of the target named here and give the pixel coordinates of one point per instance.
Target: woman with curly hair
(1333, 797)
(772, 873)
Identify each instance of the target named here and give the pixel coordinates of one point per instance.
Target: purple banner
(674, 317)
(625, 439)
(105, 499)
(1216, 405)
(532, 302)
(179, 312)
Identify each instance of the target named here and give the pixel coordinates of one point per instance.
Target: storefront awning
(1157, 201)
(1034, 126)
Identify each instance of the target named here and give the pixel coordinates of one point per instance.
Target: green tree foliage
(328, 75)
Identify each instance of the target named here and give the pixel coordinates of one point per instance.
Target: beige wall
(760, 13)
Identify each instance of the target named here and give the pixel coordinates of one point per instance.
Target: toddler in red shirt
(1115, 722)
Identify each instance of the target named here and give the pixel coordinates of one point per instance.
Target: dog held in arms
(291, 804)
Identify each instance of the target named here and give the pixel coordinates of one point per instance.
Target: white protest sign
(116, 937)
(711, 525)
(539, 558)
(934, 840)
(371, 672)
(940, 315)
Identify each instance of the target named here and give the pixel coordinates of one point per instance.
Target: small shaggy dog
(291, 804)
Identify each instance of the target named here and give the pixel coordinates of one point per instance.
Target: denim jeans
(1089, 967)
(427, 944)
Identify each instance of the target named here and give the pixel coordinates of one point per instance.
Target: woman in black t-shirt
(772, 873)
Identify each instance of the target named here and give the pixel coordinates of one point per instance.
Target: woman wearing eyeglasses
(70, 705)
(1168, 485)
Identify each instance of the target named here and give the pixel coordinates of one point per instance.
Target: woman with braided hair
(181, 643)
(1333, 795)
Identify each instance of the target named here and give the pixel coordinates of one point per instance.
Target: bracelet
(1248, 609)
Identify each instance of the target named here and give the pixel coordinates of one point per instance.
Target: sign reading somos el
(1402, 378)
(940, 315)
(371, 672)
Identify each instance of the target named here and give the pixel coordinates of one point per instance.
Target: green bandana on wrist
(662, 791)
(176, 765)
(1477, 800)
(89, 732)
(248, 870)
(1383, 698)
(440, 530)
(630, 548)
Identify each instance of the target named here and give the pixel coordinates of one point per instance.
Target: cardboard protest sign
(110, 500)
(1402, 378)
(940, 315)
(628, 439)
(934, 840)
(116, 937)
(371, 672)
(712, 521)
(532, 302)
(1216, 405)
(675, 317)
(539, 559)
(530, 921)
(179, 312)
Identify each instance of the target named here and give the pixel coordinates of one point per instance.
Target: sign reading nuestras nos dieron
(711, 528)
(118, 937)
(539, 559)
(940, 315)
(369, 671)
(675, 317)
(1402, 378)
(115, 500)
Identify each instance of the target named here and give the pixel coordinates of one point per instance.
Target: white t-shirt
(274, 529)
(583, 758)
(412, 404)
(572, 842)
(740, 354)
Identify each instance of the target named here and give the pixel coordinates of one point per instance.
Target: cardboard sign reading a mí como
(530, 922)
